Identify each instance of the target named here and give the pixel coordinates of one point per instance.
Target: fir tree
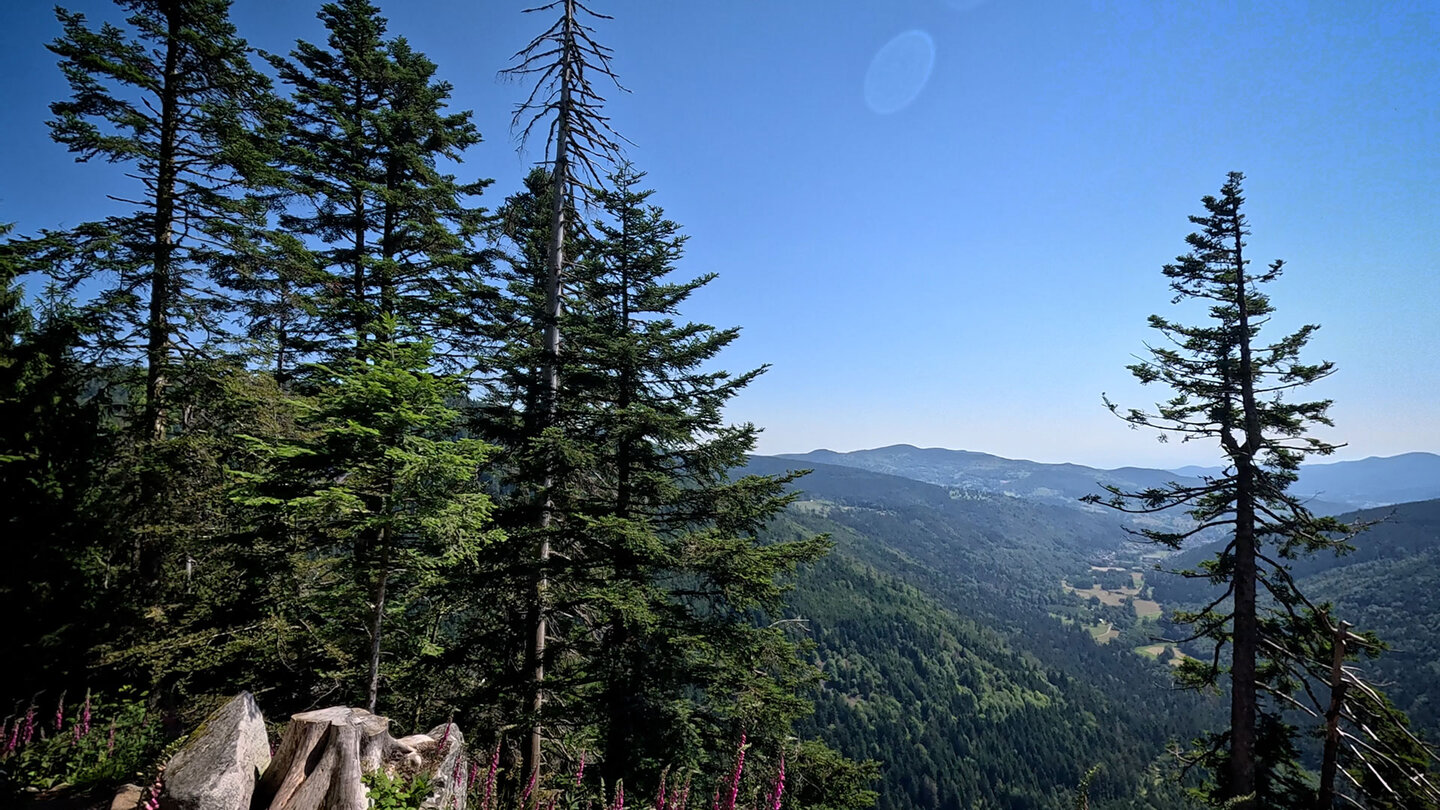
(378, 500)
(1232, 388)
(176, 99)
(580, 141)
(676, 574)
(384, 232)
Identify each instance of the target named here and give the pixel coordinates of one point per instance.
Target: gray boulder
(220, 763)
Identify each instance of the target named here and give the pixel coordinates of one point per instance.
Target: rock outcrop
(219, 764)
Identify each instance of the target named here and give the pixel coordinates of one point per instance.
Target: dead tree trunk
(1330, 761)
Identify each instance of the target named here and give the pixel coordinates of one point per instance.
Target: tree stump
(321, 759)
(325, 753)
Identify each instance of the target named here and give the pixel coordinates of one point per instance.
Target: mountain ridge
(1331, 487)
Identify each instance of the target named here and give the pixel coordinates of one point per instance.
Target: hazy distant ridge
(1334, 487)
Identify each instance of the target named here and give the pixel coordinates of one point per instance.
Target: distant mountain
(1331, 488)
(1062, 484)
(1374, 481)
(931, 620)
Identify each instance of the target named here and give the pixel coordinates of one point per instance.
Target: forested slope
(1390, 584)
(941, 660)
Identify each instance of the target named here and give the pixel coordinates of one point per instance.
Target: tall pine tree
(1234, 389)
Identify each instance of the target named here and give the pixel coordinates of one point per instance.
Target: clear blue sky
(942, 222)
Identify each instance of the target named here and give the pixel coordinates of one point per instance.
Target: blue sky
(942, 221)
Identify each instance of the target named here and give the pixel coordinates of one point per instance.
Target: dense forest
(314, 418)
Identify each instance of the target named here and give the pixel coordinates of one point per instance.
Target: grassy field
(1147, 609)
(1104, 632)
(1144, 608)
(1154, 651)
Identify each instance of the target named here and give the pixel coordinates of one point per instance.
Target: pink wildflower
(60, 713)
(535, 774)
(152, 802)
(445, 737)
(580, 772)
(489, 795)
(680, 803)
(85, 717)
(110, 743)
(739, 769)
(779, 786)
(474, 771)
(28, 733)
(619, 797)
(660, 798)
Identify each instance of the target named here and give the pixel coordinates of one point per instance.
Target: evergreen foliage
(1232, 388)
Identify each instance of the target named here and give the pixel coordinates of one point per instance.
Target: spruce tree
(176, 99)
(662, 645)
(1235, 389)
(377, 500)
(676, 574)
(383, 231)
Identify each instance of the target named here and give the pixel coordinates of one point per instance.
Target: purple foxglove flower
(735, 778)
(779, 786)
(60, 713)
(529, 787)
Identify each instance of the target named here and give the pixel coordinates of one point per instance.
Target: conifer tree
(176, 99)
(675, 575)
(660, 647)
(378, 499)
(388, 232)
(1237, 390)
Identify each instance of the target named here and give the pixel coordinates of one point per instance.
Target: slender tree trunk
(157, 344)
(357, 206)
(621, 718)
(377, 619)
(1329, 760)
(554, 278)
(1245, 646)
(388, 298)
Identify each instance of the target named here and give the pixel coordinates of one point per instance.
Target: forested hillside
(1389, 585)
(932, 622)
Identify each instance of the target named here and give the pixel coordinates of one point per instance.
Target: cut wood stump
(325, 753)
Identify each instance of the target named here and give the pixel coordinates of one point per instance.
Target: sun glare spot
(899, 71)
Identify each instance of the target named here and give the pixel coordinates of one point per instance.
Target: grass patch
(1147, 608)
